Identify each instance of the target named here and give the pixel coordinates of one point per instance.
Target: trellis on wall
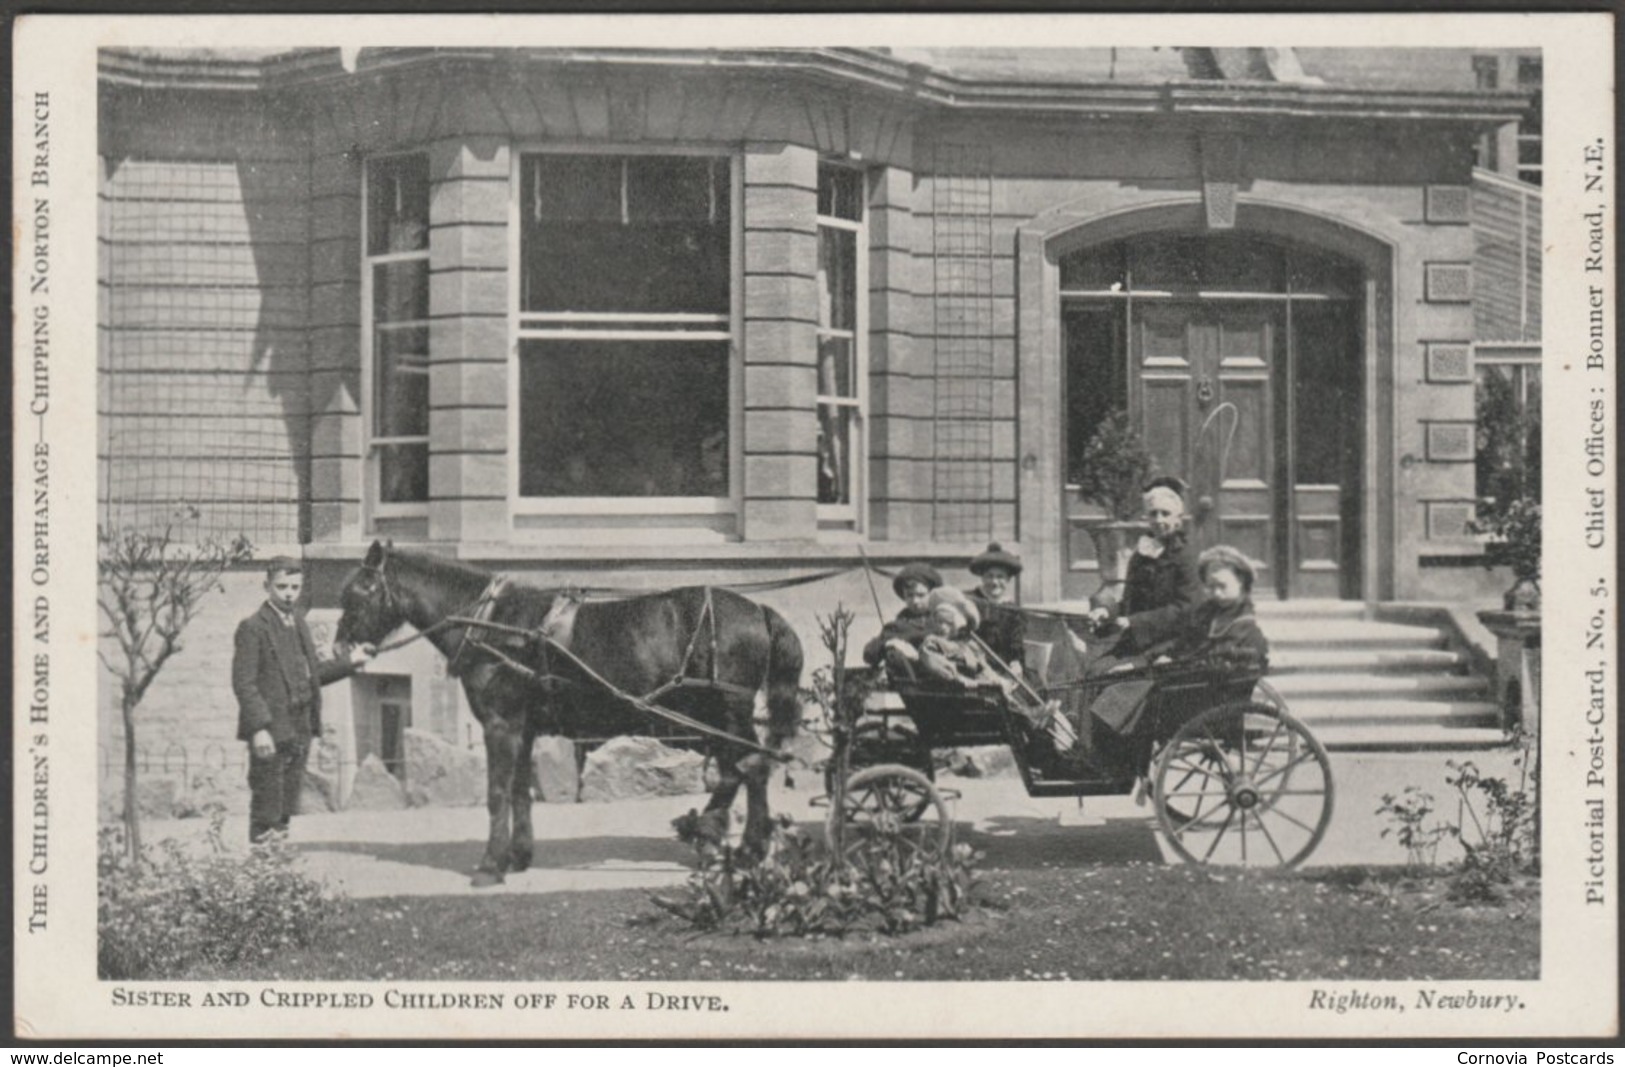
(963, 331)
(203, 375)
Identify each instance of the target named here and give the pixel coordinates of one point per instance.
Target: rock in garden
(442, 774)
(316, 796)
(984, 761)
(226, 789)
(375, 789)
(154, 797)
(554, 774)
(640, 767)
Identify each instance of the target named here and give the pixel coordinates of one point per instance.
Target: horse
(703, 652)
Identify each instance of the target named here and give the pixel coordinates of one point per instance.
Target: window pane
(666, 189)
(638, 234)
(400, 291)
(840, 192)
(1100, 267)
(834, 454)
(835, 371)
(403, 473)
(837, 278)
(397, 205)
(1507, 459)
(1328, 375)
(623, 418)
(574, 188)
(401, 385)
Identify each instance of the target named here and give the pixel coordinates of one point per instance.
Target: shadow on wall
(212, 240)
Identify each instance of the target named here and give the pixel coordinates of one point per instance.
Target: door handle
(1204, 392)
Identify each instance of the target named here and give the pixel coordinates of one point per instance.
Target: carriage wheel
(1244, 784)
(889, 805)
(875, 743)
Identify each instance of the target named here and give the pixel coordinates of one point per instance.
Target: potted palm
(1112, 472)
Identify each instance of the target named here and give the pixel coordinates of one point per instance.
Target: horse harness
(552, 640)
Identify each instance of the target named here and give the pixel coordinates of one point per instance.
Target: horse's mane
(428, 562)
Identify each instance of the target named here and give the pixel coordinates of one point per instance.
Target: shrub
(1497, 823)
(1504, 840)
(1114, 467)
(166, 910)
(796, 890)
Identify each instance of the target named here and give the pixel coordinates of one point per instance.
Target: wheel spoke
(1294, 820)
(1219, 836)
(1265, 830)
(1258, 764)
(1308, 755)
(1192, 769)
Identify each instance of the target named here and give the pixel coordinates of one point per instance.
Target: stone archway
(1134, 213)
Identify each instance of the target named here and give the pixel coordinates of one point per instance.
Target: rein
(642, 703)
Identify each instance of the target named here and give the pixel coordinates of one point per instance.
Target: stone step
(1293, 660)
(1315, 712)
(1349, 634)
(1415, 738)
(1309, 609)
(1379, 686)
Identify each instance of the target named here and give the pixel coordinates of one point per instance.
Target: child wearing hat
(898, 643)
(947, 652)
(1223, 625)
(1003, 629)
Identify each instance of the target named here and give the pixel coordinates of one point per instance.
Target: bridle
(390, 606)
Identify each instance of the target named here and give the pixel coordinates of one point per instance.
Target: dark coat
(1211, 630)
(911, 626)
(1003, 628)
(1205, 630)
(264, 685)
(1157, 594)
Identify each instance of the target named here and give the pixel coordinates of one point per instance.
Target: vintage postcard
(742, 527)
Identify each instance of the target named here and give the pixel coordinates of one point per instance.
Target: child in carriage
(898, 643)
(1222, 626)
(948, 653)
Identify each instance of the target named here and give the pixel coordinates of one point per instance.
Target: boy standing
(278, 681)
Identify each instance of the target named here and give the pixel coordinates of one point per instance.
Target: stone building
(650, 317)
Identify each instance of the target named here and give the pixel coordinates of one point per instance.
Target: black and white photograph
(783, 527)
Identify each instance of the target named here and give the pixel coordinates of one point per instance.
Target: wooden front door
(1241, 364)
(1202, 388)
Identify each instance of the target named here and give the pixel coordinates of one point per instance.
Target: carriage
(1234, 778)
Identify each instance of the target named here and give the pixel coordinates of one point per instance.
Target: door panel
(1207, 413)
(1257, 403)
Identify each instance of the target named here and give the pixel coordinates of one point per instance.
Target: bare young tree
(151, 586)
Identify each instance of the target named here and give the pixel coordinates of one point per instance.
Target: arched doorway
(1241, 360)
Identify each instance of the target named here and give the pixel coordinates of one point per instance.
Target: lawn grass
(1124, 922)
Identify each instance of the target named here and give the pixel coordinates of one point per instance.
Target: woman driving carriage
(1162, 582)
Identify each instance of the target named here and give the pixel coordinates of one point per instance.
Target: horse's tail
(783, 678)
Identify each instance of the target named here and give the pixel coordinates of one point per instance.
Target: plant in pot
(1514, 529)
(1112, 472)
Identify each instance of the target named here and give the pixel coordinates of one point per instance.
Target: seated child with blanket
(948, 653)
(1223, 626)
(898, 643)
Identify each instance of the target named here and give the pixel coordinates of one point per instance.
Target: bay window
(395, 301)
(625, 327)
(842, 307)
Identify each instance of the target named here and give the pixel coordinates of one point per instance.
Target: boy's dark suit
(278, 680)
